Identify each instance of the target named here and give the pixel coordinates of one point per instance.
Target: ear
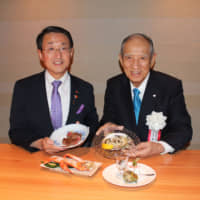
(153, 60)
(120, 59)
(72, 52)
(40, 54)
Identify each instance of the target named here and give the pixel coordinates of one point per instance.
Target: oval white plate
(91, 172)
(111, 175)
(58, 135)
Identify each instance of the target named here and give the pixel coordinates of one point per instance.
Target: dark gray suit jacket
(162, 94)
(30, 117)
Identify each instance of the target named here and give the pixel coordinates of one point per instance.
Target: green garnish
(52, 164)
(135, 162)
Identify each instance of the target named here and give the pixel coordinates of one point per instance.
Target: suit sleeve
(178, 131)
(91, 119)
(109, 110)
(20, 132)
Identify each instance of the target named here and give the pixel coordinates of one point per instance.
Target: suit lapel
(74, 101)
(127, 106)
(42, 101)
(149, 102)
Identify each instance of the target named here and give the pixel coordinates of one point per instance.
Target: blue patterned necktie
(56, 107)
(136, 103)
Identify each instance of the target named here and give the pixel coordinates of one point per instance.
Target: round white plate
(58, 135)
(112, 175)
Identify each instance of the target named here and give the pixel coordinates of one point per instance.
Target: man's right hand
(109, 127)
(47, 145)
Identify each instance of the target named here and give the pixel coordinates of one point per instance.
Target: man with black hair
(48, 100)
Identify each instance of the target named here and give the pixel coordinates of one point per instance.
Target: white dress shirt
(64, 91)
(167, 148)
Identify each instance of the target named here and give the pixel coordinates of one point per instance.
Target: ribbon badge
(156, 121)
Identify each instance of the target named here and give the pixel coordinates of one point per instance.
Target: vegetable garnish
(135, 162)
(52, 164)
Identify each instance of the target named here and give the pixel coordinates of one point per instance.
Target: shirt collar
(142, 86)
(49, 78)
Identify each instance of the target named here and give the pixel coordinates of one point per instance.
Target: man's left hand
(147, 149)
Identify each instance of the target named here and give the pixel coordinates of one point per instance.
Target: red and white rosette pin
(156, 121)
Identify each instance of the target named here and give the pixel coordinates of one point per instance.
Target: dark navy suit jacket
(162, 94)
(30, 117)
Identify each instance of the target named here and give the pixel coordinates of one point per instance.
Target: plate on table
(94, 166)
(145, 174)
(70, 136)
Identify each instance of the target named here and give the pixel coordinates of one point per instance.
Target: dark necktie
(136, 103)
(56, 107)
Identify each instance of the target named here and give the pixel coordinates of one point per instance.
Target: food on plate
(72, 138)
(129, 176)
(135, 162)
(107, 146)
(52, 164)
(116, 141)
(69, 161)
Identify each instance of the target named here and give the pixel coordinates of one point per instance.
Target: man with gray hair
(140, 91)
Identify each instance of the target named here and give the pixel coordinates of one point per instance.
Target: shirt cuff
(167, 148)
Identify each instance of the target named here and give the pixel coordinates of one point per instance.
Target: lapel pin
(80, 109)
(154, 95)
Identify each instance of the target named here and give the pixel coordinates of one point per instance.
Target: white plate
(112, 175)
(58, 135)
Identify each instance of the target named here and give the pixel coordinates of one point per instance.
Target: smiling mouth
(58, 62)
(135, 73)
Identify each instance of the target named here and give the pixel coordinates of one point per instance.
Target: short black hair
(53, 29)
(147, 38)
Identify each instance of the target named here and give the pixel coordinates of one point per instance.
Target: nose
(58, 53)
(135, 63)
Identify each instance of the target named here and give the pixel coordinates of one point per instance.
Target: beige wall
(97, 28)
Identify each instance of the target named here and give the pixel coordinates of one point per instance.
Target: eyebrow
(63, 43)
(135, 54)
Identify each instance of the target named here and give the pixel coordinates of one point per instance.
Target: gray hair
(147, 38)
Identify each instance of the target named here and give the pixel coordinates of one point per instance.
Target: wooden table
(21, 177)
